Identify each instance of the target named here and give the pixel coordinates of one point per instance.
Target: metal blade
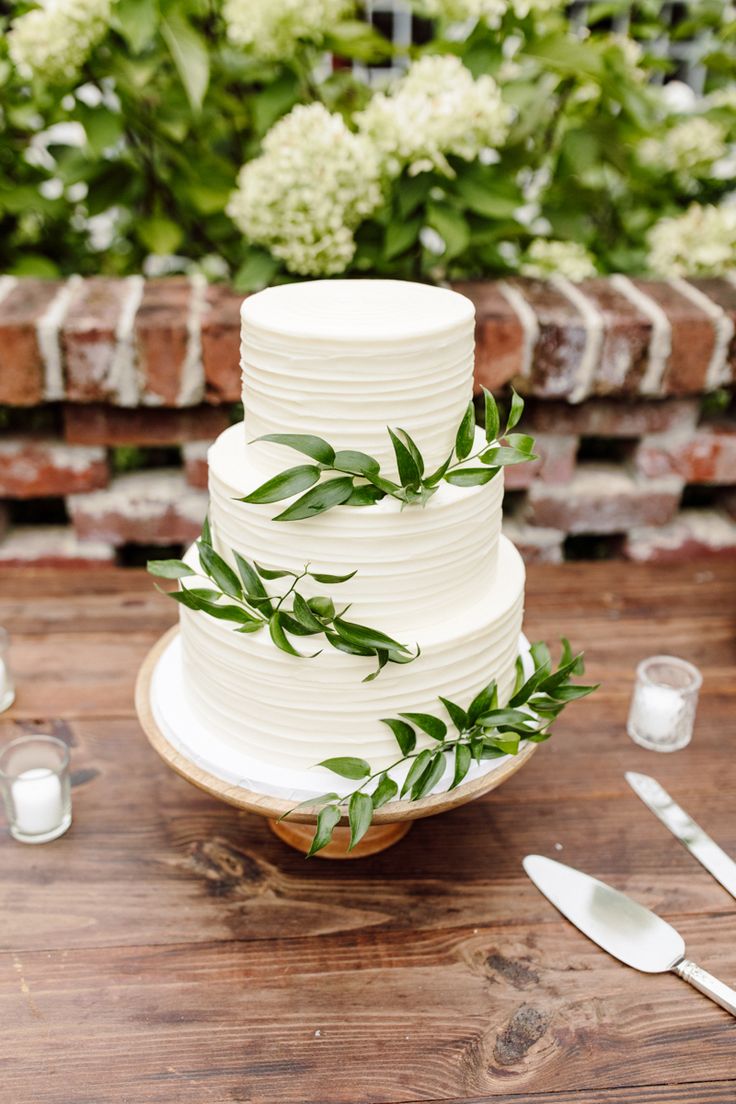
(706, 851)
(624, 928)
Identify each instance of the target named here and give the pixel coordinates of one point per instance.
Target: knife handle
(705, 983)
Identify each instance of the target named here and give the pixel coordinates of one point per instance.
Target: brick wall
(111, 390)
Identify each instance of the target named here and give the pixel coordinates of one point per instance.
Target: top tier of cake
(343, 359)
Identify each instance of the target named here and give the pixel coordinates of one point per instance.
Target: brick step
(52, 546)
(705, 456)
(32, 467)
(612, 417)
(692, 534)
(146, 507)
(101, 424)
(555, 464)
(536, 544)
(603, 498)
(196, 470)
(175, 342)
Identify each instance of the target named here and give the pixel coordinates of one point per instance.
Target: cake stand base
(390, 823)
(377, 838)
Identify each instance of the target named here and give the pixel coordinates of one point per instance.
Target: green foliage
(250, 607)
(414, 486)
(166, 110)
(482, 731)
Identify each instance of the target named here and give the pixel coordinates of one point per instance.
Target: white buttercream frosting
(343, 359)
(414, 565)
(300, 711)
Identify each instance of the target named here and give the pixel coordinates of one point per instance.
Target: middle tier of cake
(415, 567)
(288, 712)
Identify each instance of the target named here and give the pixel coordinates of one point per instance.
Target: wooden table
(170, 950)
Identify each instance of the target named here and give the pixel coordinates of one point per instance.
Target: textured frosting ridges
(415, 566)
(345, 358)
(297, 712)
(342, 360)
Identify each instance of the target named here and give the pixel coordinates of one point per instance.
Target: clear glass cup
(663, 704)
(7, 685)
(34, 777)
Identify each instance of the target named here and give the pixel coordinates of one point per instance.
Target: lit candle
(657, 711)
(37, 797)
(663, 704)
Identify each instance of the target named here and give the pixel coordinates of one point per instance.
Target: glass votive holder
(663, 704)
(7, 685)
(34, 777)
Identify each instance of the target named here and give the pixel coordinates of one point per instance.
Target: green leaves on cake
(349, 478)
(459, 737)
(242, 598)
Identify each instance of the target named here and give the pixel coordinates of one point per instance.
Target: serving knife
(699, 844)
(628, 931)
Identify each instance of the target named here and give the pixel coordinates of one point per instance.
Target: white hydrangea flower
(490, 12)
(633, 54)
(721, 97)
(690, 147)
(54, 41)
(564, 258)
(701, 242)
(304, 196)
(272, 28)
(523, 8)
(436, 109)
(677, 98)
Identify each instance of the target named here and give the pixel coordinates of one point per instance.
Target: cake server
(624, 928)
(706, 851)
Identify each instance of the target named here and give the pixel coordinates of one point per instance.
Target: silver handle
(705, 983)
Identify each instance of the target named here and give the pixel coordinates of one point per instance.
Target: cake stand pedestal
(390, 823)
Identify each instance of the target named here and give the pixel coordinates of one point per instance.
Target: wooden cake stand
(390, 823)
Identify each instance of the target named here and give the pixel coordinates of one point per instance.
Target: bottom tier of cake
(293, 712)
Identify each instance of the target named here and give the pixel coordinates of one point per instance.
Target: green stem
(297, 579)
(475, 456)
(309, 88)
(447, 745)
(342, 471)
(465, 737)
(404, 759)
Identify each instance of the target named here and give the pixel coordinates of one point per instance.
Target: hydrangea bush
(303, 197)
(238, 138)
(435, 111)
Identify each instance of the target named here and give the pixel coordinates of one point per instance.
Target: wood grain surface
(170, 950)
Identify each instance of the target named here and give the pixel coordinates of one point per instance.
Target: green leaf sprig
(355, 479)
(243, 599)
(484, 730)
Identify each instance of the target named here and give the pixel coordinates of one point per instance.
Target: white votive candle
(663, 703)
(37, 797)
(658, 710)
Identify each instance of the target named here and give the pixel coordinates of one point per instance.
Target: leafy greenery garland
(251, 607)
(414, 488)
(483, 731)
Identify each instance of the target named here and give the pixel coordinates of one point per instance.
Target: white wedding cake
(343, 360)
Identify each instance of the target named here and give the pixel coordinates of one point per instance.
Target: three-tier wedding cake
(340, 361)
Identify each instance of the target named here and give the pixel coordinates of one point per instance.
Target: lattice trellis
(399, 23)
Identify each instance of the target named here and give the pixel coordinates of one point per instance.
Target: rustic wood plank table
(169, 949)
